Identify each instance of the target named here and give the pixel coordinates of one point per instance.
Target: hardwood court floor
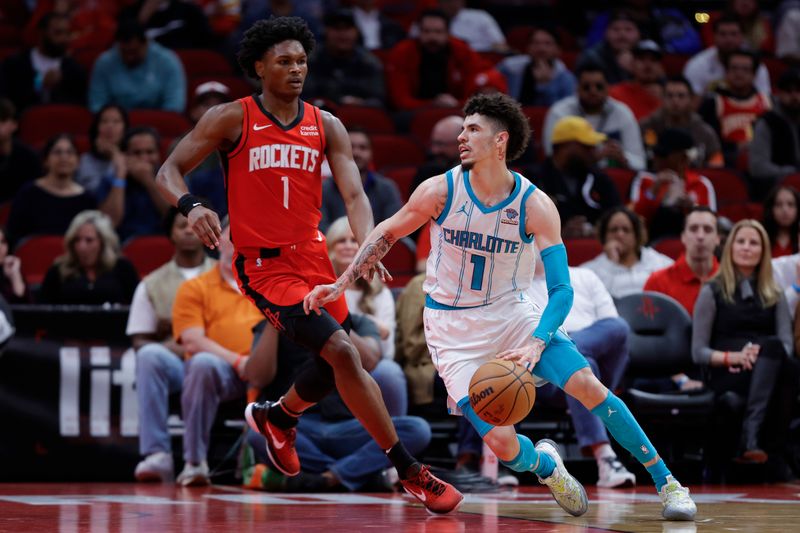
(118, 507)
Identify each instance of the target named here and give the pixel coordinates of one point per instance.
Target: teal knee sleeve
(481, 426)
(529, 460)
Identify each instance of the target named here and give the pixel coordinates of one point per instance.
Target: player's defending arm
(427, 202)
(219, 127)
(542, 220)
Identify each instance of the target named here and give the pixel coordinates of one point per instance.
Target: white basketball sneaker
(155, 467)
(678, 505)
(611, 474)
(567, 491)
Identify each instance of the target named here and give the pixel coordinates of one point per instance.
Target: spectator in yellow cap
(570, 177)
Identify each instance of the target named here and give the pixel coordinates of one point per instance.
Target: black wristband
(187, 202)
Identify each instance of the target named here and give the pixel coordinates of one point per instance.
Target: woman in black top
(12, 284)
(47, 205)
(92, 270)
(743, 332)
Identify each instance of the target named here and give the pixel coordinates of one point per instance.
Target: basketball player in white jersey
(484, 219)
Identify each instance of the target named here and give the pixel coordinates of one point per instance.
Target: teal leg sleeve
(626, 430)
(529, 460)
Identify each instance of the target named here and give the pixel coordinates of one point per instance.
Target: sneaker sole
(455, 508)
(248, 416)
(678, 516)
(584, 497)
(195, 481)
(152, 477)
(626, 484)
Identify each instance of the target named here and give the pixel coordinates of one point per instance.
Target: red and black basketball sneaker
(437, 496)
(280, 442)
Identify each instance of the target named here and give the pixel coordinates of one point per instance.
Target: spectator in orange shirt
(663, 198)
(684, 278)
(213, 322)
(436, 69)
(643, 94)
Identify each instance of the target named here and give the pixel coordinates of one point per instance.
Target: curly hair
(507, 113)
(265, 34)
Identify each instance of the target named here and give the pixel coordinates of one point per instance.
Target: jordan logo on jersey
(283, 156)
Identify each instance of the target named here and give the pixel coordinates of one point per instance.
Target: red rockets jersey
(273, 177)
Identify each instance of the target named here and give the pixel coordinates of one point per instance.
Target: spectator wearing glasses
(624, 146)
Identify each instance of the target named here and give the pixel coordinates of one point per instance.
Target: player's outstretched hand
(383, 274)
(318, 297)
(205, 224)
(526, 356)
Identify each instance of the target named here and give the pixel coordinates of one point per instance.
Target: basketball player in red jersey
(272, 146)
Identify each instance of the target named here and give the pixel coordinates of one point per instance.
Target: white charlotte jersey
(478, 254)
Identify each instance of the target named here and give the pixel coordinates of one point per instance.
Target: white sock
(603, 451)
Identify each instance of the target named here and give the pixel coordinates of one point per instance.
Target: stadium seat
(737, 212)
(167, 123)
(792, 180)
(401, 261)
(671, 247)
(371, 119)
(6, 51)
(239, 87)
(425, 119)
(536, 115)
(403, 177)
(622, 178)
(395, 151)
(518, 37)
(729, 187)
(41, 122)
(203, 62)
(660, 346)
(36, 254)
(148, 252)
(674, 63)
(581, 250)
(86, 57)
(5, 210)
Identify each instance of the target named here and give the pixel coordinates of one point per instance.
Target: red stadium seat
(622, 178)
(395, 151)
(167, 123)
(6, 51)
(671, 247)
(36, 254)
(41, 122)
(370, 119)
(581, 250)
(729, 187)
(5, 210)
(737, 212)
(401, 262)
(792, 180)
(148, 252)
(674, 63)
(203, 62)
(518, 37)
(403, 177)
(536, 115)
(425, 119)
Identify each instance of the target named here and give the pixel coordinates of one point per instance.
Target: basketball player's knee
(341, 354)
(502, 442)
(586, 388)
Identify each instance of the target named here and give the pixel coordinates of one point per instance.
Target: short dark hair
(140, 130)
(549, 30)
(636, 222)
(362, 131)
(507, 113)
(169, 220)
(265, 34)
(433, 13)
(589, 65)
(7, 110)
(679, 78)
(49, 17)
(129, 29)
(726, 59)
(726, 18)
(699, 209)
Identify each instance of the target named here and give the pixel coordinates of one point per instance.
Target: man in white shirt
(705, 70)
(159, 359)
(602, 336)
(786, 272)
(475, 26)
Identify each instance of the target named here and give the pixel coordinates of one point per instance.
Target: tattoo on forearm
(366, 259)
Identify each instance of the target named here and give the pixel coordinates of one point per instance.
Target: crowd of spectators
(655, 130)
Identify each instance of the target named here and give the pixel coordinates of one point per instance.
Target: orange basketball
(502, 392)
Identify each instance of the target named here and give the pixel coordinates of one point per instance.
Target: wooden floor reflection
(73, 508)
